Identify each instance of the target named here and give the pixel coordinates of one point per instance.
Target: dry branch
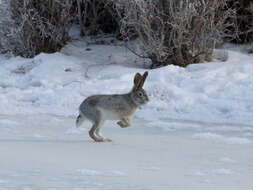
(178, 32)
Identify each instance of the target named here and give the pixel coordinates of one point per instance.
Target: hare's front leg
(124, 122)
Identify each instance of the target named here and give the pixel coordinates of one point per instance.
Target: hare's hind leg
(124, 122)
(94, 115)
(97, 132)
(93, 130)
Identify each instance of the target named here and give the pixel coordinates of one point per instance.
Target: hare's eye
(140, 94)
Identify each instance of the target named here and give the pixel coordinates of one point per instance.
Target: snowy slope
(216, 92)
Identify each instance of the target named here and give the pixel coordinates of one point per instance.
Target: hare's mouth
(141, 106)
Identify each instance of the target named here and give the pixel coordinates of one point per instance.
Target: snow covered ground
(42, 152)
(195, 133)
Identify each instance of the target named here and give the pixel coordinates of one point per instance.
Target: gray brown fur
(99, 108)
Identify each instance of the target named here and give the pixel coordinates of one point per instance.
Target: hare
(99, 108)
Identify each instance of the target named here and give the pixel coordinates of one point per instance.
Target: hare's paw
(107, 140)
(121, 124)
(98, 140)
(125, 122)
(103, 140)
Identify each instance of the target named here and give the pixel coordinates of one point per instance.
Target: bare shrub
(178, 32)
(6, 27)
(34, 26)
(38, 26)
(97, 16)
(243, 21)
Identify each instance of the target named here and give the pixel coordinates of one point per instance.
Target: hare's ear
(137, 79)
(144, 76)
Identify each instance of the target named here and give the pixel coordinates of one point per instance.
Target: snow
(220, 171)
(220, 138)
(196, 132)
(217, 92)
(89, 172)
(138, 158)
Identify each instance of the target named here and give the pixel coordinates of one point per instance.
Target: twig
(141, 56)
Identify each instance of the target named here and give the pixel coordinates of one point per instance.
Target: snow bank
(220, 92)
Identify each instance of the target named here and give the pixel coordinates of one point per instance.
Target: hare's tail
(79, 120)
